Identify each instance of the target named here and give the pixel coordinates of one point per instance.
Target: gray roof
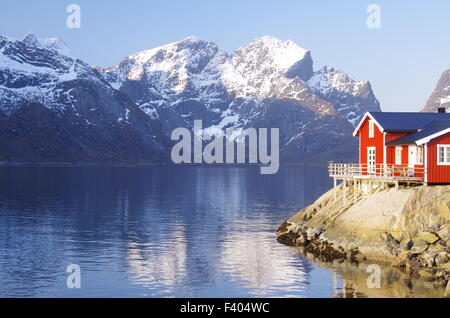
(435, 127)
(407, 121)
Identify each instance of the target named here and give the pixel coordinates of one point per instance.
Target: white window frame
(371, 129)
(371, 169)
(398, 155)
(446, 161)
(419, 155)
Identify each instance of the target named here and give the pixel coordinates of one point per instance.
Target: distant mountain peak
(441, 94)
(267, 67)
(174, 48)
(283, 54)
(273, 41)
(191, 38)
(55, 44)
(62, 110)
(30, 39)
(353, 97)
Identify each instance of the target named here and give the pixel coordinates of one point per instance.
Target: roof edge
(367, 114)
(433, 136)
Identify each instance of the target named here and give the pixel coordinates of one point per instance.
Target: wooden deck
(359, 179)
(378, 172)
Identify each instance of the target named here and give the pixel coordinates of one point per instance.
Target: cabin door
(412, 155)
(371, 159)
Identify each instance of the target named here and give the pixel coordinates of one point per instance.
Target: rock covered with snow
(352, 98)
(441, 94)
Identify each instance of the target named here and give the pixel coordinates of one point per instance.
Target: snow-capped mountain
(269, 83)
(351, 98)
(54, 107)
(441, 94)
(54, 44)
(57, 108)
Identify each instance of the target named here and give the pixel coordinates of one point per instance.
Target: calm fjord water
(162, 231)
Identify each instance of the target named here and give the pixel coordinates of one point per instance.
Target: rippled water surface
(160, 231)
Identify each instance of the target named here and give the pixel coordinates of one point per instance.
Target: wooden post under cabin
(345, 192)
(335, 189)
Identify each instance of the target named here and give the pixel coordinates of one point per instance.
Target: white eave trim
(367, 114)
(430, 137)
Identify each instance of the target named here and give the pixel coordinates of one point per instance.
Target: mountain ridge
(440, 97)
(269, 83)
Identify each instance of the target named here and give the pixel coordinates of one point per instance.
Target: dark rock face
(441, 94)
(302, 69)
(297, 235)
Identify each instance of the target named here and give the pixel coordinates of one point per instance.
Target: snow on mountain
(260, 68)
(33, 70)
(267, 82)
(54, 44)
(351, 98)
(266, 68)
(440, 97)
(156, 77)
(196, 70)
(56, 108)
(129, 110)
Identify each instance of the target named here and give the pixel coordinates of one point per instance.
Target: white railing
(377, 171)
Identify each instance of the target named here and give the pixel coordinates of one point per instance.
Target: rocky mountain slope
(441, 94)
(54, 108)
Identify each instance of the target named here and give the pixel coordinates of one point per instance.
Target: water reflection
(262, 268)
(350, 280)
(157, 231)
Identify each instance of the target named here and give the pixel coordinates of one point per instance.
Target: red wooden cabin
(404, 146)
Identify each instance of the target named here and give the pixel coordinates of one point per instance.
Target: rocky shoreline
(408, 228)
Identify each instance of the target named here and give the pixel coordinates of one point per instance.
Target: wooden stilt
(335, 188)
(345, 192)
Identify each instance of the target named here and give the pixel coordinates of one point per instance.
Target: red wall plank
(436, 173)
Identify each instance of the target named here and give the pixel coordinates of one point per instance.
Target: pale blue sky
(403, 60)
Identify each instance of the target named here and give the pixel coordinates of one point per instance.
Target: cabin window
(419, 155)
(371, 129)
(398, 155)
(371, 159)
(443, 154)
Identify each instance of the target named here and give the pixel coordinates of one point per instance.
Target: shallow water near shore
(169, 231)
